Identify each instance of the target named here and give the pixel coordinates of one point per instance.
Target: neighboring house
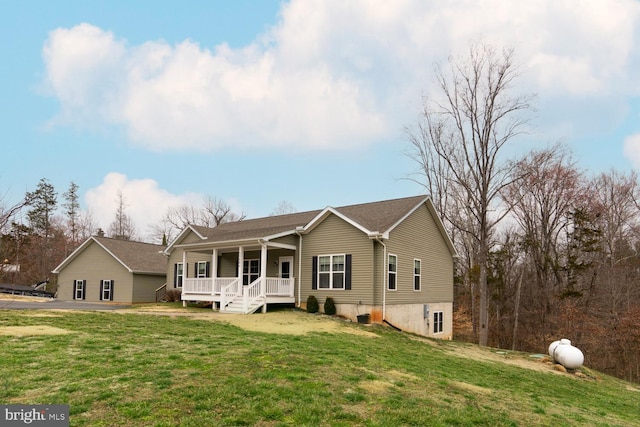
(392, 260)
(104, 269)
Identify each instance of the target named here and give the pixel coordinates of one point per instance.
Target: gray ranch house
(104, 269)
(391, 260)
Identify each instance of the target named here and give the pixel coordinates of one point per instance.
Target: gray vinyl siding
(102, 266)
(418, 236)
(229, 261)
(335, 236)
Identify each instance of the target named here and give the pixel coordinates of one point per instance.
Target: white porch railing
(197, 286)
(279, 287)
(230, 292)
(274, 286)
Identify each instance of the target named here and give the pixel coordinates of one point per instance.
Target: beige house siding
(144, 287)
(103, 267)
(418, 237)
(176, 257)
(335, 236)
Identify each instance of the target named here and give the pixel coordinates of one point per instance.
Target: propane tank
(564, 353)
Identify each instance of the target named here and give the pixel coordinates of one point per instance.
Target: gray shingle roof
(137, 256)
(375, 216)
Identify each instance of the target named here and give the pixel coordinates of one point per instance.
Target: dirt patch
(277, 322)
(10, 297)
(471, 387)
(33, 330)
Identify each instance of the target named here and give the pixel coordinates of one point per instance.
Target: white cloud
(632, 149)
(145, 202)
(337, 74)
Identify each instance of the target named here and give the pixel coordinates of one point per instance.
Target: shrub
(173, 295)
(312, 304)
(329, 307)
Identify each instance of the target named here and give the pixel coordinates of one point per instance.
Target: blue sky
(306, 101)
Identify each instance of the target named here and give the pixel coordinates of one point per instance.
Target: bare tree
(72, 212)
(217, 211)
(8, 212)
(211, 213)
(122, 227)
(541, 206)
(284, 207)
(462, 135)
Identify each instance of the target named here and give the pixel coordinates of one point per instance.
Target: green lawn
(139, 369)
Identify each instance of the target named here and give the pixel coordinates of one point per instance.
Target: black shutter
(314, 272)
(175, 275)
(112, 290)
(84, 289)
(347, 272)
(195, 269)
(208, 269)
(101, 288)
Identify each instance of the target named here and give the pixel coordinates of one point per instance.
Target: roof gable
(375, 218)
(136, 257)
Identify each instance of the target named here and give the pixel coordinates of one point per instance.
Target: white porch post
(214, 274)
(184, 274)
(240, 263)
(263, 275)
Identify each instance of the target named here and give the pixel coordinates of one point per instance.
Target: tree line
(40, 231)
(546, 251)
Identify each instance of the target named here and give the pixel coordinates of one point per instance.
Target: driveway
(10, 304)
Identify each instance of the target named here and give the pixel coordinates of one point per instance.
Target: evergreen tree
(43, 202)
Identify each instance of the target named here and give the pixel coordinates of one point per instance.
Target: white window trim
(198, 275)
(75, 289)
(389, 273)
(248, 273)
(438, 321)
(103, 288)
(331, 272)
(417, 275)
(179, 275)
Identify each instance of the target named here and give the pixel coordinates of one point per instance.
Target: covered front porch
(240, 279)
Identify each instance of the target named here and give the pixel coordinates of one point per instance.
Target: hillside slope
(194, 367)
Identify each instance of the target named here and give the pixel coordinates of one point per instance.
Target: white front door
(285, 269)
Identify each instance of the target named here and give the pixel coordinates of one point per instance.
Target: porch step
(236, 307)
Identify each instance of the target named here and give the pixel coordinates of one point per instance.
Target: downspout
(378, 238)
(298, 229)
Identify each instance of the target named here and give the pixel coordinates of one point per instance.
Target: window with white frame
(438, 322)
(417, 274)
(78, 289)
(250, 271)
(179, 274)
(393, 273)
(331, 271)
(106, 290)
(201, 269)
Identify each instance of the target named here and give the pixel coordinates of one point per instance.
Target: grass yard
(134, 369)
